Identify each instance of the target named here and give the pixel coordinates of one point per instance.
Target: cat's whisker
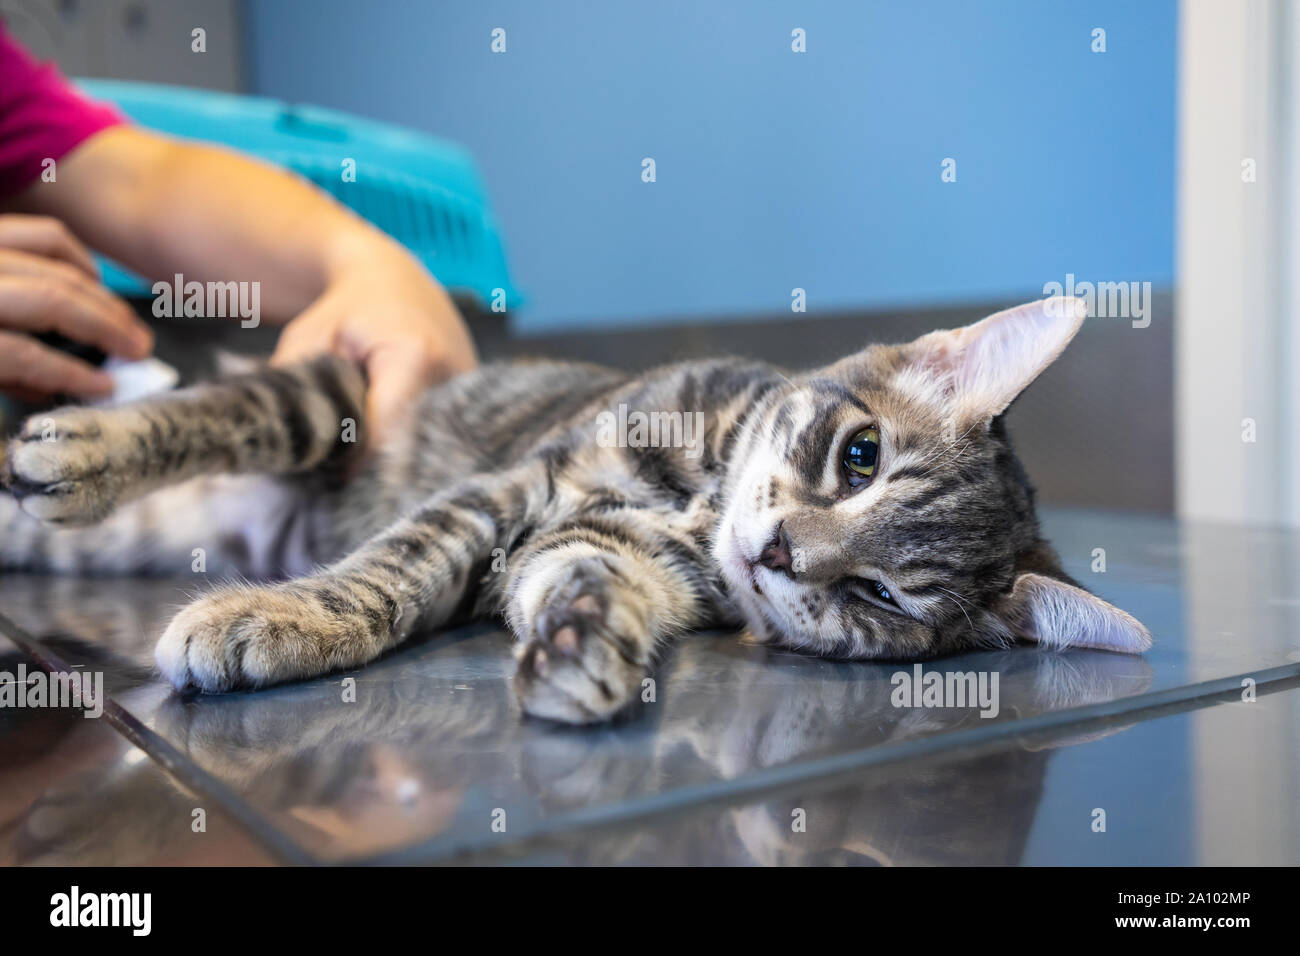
(951, 453)
(956, 443)
(955, 447)
(960, 602)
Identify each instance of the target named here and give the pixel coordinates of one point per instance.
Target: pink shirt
(41, 117)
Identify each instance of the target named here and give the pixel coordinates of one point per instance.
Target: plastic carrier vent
(424, 192)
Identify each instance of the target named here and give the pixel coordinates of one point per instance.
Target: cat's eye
(861, 455)
(879, 590)
(871, 590)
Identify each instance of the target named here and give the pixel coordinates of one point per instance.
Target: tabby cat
(869, 509)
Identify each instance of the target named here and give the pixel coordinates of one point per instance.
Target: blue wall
(775, 170)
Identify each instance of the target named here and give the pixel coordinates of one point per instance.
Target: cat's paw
(250, 637)
(581, 664)
(61, 469)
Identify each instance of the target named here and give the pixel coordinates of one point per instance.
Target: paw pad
(576, 667)
(568, 622)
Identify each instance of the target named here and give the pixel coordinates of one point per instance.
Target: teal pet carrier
(424, 192)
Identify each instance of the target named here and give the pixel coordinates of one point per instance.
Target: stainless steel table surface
(748, 755)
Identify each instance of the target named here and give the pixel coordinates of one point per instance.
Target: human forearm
(162, 206)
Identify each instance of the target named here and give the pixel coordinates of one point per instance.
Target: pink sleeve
(41, 116)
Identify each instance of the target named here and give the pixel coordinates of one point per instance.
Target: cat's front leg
(412, 575)
(593, 612)
(588, 650)
(245, 637)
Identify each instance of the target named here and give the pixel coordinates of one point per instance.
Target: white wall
(1237, 248)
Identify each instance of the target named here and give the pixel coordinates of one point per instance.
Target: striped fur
(504, 496)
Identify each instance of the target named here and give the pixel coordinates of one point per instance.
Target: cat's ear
(980, 368)
(1058, 615)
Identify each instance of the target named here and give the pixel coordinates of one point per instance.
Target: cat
(872, 508)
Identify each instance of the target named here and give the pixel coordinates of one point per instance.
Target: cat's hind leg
(210, 528)
(75, 465)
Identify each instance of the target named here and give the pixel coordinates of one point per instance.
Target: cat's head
(876, 509)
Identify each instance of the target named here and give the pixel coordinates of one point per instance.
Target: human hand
(387, 313)
(49, 283)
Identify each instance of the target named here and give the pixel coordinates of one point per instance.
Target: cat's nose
(775, 555)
